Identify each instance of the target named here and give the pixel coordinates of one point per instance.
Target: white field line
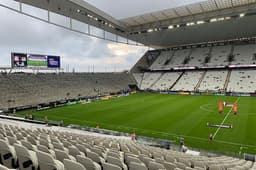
(225, 119)
(162, 133)
(202, 107)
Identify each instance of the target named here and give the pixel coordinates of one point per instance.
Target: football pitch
(170, 117)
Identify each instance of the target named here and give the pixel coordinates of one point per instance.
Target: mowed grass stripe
(165, 116)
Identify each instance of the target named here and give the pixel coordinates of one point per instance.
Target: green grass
(36, 63)
(169, 117)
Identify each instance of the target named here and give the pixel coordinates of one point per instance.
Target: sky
(20, 33)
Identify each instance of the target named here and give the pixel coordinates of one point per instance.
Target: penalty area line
(225, 119)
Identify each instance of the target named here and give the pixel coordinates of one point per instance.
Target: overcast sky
(19, 33)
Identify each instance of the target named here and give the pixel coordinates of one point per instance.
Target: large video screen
(53, 61)
(36, 60)
(21, 60)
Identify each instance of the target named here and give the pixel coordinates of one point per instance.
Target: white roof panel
(209, 5)
(224, 4)
(170, 13)
(195, 8)
(182, 11)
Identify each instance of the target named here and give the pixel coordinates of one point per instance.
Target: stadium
(136, 85)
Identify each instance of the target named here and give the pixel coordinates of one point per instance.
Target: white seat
(74, 151)
(8, 154)
(132, 159)
(61, 155)
(137, 166)
(28, 145)
(12, 140)
(72, 165)
(155, 166)
(116, 161)
(3, 167)
(82, 148)
(46, 150)
(27, 159)
(47, 162)
(108, 166)
(215, 167)
(59, 147)
(88, 163)
(95, 157)
(169, 165)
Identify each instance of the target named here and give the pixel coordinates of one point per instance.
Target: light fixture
(90, 16)
(242, 15)
(190, 23)
(150, 30)
(78, 10)
(170, 27)
(200, 22)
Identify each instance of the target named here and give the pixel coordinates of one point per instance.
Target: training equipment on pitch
(227, 104)
(220, 126)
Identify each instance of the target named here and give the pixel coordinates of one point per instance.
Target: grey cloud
(19, 33)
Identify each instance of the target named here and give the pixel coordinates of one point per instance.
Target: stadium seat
(95, 157)
(12, 140)
(27, 159)
(116, 161)
(155, 166)
(46, 150)
(46, 161)
(74, 151)
(170, 158)
(108, 166)
(82, 148)
(98, 151)
(28, 145)
(180, 165)
(88, 163)
(137, 166)
(4, 168)
(59, 146)
(132, 159)
(32, 140)
(169, 165)
(61, 155)
(8, 154)
(72, 165)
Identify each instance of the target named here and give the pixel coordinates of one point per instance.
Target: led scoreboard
(21, 60)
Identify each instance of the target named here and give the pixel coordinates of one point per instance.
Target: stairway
(200, 81)
(227, 80)
(209, 56)
(156, 80)
(230, 56)
(140, 83)
(177, 80)
(170, 59)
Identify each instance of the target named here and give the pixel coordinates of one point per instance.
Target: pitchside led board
(20, 60)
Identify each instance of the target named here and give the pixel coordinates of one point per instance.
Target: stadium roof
(187, 10)
(125, 9)
(192, 23)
